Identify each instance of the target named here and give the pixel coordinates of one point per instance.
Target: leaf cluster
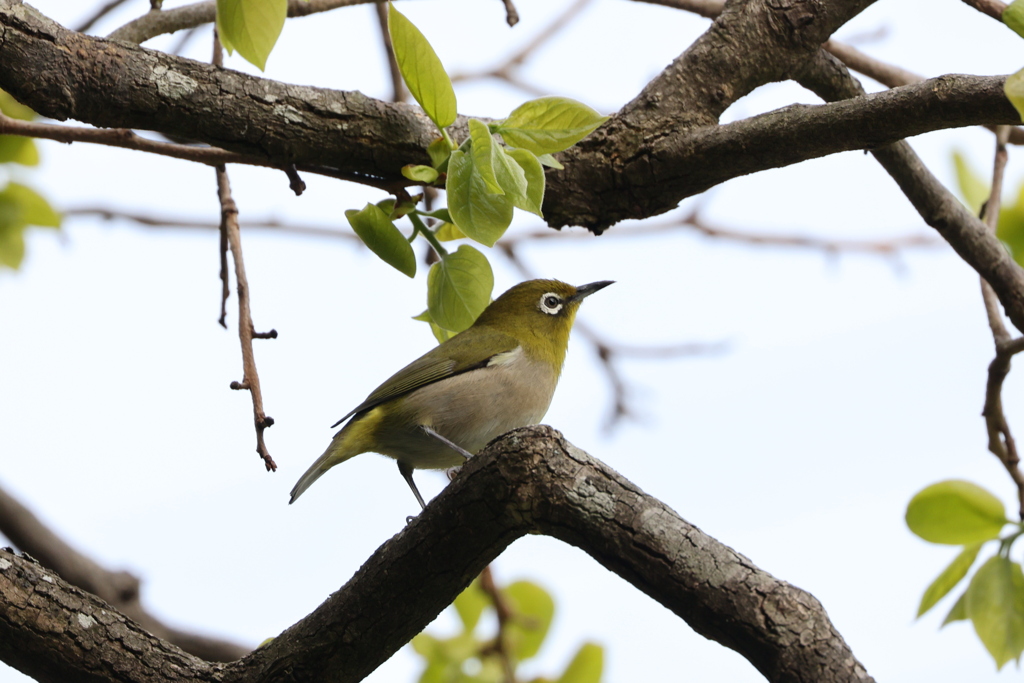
(20, 205)
(468, 657)
(484, 180)
(957, 512)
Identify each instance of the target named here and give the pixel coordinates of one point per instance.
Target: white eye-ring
(550, 303)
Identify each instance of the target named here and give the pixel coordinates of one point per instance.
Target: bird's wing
(440, 363)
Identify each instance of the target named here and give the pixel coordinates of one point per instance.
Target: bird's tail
(339, 451)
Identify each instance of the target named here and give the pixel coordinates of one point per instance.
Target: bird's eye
(550, 303)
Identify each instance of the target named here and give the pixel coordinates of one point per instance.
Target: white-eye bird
(495, 376)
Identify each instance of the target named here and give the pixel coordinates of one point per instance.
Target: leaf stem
(428, 234)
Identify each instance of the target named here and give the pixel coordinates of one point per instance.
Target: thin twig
(506, 71)
(100, 12)
(397, 84)
(511, 15)
(504, 614)
(246, 332)
(1000, 439)
(993, 8)
(211, 156)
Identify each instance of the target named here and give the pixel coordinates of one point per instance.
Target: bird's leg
(455, 447)
(407, 474)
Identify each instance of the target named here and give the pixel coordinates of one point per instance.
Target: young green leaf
(14, 108)
(995, 604)
(459, 288)
(1010, 228)
(973, 189)
(1014, 90)
(533, 609)
(550, 161)
(485, 151)
(420, 174)
(549, 124)
(378, 233)
(439, 150)
(955, 512)
(448, 231)
(12, 243)
(1013, 16)
(16, 149)
(480, 214)
(470, 605)
(440, 334)
(586, 666)
(422, 70)
(949, 578)
(533, 198)
(958, 611)
(251, 27)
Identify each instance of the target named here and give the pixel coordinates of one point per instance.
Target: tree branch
(619, 172)
(528, 481)
(118, 588)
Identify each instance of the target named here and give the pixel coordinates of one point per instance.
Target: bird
(498, 374)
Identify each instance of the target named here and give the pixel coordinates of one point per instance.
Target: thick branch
(119, 588)
(620, 172)
(529, 481)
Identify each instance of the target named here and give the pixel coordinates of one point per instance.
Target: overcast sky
(850, 382)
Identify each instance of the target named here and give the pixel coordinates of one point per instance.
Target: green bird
(495, 376)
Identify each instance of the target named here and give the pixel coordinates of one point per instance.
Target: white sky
(850, 383)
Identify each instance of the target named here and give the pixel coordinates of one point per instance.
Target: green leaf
(420, 174)
(1013, 16)
(1010, 228)
(448, 231)
(973, 189)
(949, 578)
(955, 512)
(958, 612)
(18, 150)
(549, 124)
(440, 214)
(1014, 89)
(33, 209)
(251, 27)
(586, 666)
(459, 288)
(12, 244)
(14, 108)
(484, 151)
(532, 609)
(480, 214)
(533, 172)
(422, 70)
(549, 161)
(378, 233)
(995, 604)
(440, 334)
(439, 150)
(470, 605)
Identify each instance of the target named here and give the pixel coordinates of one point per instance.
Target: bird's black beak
(583, 291)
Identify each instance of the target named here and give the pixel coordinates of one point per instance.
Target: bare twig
(246, 332)
(156, 23)
(211, 156)
(101, 11)
(506, 71)
(1000, 439)
(504, 613)
(118, 588)
(397, 84)
(511, 15)
(993, 8)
